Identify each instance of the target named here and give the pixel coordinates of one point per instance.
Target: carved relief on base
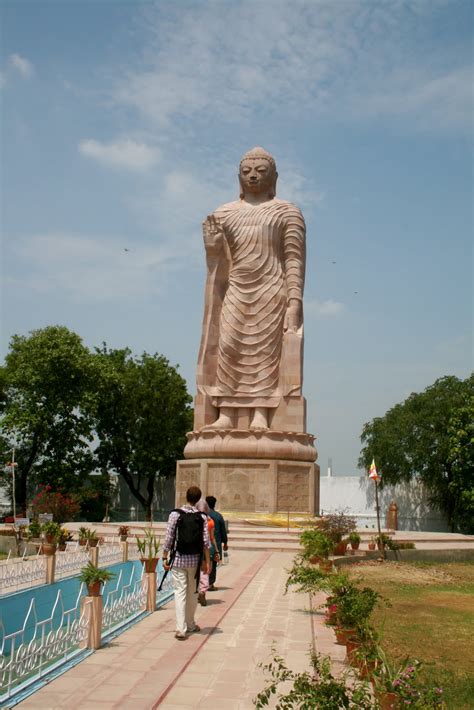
(257, 485)
(245, 444)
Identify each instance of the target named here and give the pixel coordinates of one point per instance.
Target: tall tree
(46, 386)
(142, 418)
(428, 437)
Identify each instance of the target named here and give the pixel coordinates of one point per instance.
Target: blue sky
(123, 124)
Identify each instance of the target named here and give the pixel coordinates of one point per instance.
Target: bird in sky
(126, 249)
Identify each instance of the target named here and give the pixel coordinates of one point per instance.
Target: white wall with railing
(356, 494)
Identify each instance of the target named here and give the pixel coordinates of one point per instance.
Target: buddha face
(257, 176)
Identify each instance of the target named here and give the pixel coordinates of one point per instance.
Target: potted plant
(149, 547)
(372, 543)
(317, 546)
(318, 688)
(83, 534)
(123, 532)
(92, 538)
(34, 529)
(354, 539)
(64, 537)
(50, 533)
(354, 609)
(307, 578)
(93, 577)
(385, 541)
(366, 657)
(397, 686)
(336, 525)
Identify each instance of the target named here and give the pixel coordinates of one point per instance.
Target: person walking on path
(203, 507)
(186, 543)
(220, 534)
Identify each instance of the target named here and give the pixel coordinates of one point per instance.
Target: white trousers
(185, 597)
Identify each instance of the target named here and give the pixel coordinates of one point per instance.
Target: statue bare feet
(259, 419)
(225, 420)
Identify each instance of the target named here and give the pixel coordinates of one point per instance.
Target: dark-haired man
(220, 533)
(185, 569)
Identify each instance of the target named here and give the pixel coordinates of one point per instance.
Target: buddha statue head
(257, 173)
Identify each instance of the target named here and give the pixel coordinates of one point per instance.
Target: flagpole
(377, 508)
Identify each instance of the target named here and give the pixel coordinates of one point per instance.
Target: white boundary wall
(356, 494)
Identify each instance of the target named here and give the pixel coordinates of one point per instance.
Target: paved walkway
(146, 667)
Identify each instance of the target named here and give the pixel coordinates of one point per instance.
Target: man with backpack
(186, 552)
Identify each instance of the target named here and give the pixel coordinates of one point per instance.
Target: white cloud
(21, 65)
(123, 153)
(324, 309)
(94, 269)
(223, 62)
(441, 101)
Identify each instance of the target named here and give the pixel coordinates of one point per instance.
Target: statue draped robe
(249, 283)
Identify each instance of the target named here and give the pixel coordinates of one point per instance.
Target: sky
(122, 127)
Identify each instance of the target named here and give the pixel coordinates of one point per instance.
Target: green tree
(461, 460)
(46, 388)
(142, 418)
(429, 437)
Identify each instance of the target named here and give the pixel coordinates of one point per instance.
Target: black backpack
(189, 532)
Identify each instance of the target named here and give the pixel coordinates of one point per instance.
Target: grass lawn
(431, 618)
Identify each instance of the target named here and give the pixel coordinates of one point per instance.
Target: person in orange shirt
(203, 507)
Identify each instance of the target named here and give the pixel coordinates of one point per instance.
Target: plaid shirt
(184, 560)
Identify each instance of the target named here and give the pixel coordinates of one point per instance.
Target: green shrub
(318, 689)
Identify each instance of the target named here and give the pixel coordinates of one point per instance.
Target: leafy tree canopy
(430, 436)
(141, 420)
(68, 411)
(46, 388)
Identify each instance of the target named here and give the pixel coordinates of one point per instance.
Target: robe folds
(249, 284)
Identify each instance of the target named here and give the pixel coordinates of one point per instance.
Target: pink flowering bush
(62, 505)
(405, 683)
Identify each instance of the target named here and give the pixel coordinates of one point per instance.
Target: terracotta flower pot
(93, 590)
(352, 646)
(340, 549)
(366, 669)
(325, 565)
(388, 701)
(94, 542)
(51, 539)
(330, 618)
(344, 635)
(48, 548)
(82, 542)
(355, 545)
(62, 547)
(150, 565)
(371, 545)
(123, 538)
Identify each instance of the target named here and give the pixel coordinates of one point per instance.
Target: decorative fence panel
(163, 596)
(71, 562)
(110, 554)
(125, 602)
(133, 551)
(40, 646)
(21, 572)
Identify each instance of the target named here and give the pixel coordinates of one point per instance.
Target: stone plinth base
(253, 485)
(247, 444)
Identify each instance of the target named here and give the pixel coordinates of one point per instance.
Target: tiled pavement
(146, 667)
